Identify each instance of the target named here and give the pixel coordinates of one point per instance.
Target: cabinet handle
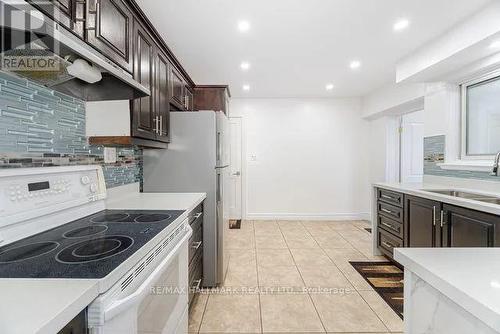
(388, 245)
(196, 245)
(195, 217)
(442, 218)
(389, 226)
(160, 131)
(387, 211)
(389, 197)
(434, 216)
(156, 124)
(197, 285)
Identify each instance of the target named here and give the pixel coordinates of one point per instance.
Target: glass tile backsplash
(434, 151)
(40, 127)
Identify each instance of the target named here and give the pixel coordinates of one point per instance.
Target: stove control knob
(93, 188)
(85, 180)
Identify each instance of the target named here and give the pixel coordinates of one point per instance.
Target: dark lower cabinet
(427, 223)
(468, 228)
(109, 30)
(422, 225)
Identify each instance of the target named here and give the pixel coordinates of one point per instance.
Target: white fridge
(197, 161)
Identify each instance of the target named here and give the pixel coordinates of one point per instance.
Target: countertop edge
(462, 299)
(462, 202)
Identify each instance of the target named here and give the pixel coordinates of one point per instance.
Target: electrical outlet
(109, 155)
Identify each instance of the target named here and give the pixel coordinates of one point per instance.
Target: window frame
(463, 92)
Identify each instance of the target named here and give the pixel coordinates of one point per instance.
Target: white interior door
(412, 147)
(234, 191)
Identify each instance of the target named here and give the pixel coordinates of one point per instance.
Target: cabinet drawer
(195, 243)
(390, 211)
(196, 215)
(195, 274)
(391, 226)
(387, 242)
(390, 197)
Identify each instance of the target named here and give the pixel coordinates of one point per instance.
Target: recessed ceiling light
(246, 88)
(355, 64)
(495, 45)
(329, 86)
(245, 66)
(401, 24)
(243, 26)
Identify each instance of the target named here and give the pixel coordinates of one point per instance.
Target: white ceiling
(296, 47)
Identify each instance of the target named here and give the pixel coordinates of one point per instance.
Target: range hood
(33, 41)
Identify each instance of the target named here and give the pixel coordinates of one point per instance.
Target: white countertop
(468, 276)
(419, 189)
(42, 306)
(47, 305)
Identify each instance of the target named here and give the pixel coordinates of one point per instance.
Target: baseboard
(298, 216)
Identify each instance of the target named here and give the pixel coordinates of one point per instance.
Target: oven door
(158, 304)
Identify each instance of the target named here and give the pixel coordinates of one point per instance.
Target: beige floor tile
(242, 256)
(266, 227)
(324, 277)
(391, 320)
(287, 278)
(247, 226)
(300, 241)
(240, 240)
(196, 312)
(342, 256)
(343, 226)
(274, 257)
(356, 236)
(289, 313)
(270, 241)
(346, 313)
(331, 239)
(310, 257)
(232, 314)
(241, 276)
(362, 224)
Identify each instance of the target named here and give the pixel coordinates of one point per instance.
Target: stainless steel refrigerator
(197, 161)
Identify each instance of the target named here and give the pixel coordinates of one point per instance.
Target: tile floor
(294, 277)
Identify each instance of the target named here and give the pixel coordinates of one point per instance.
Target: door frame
(243, 187)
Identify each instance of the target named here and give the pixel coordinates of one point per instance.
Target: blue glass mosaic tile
(40, 127)
(434, 150)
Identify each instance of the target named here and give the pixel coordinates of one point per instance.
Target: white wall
(311, 158)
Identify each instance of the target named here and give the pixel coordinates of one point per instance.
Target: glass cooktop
(91, 247)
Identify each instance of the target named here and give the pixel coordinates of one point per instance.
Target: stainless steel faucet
(496, 166)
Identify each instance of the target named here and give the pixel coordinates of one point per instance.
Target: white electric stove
(54, 225)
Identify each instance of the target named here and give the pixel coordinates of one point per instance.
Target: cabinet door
(421, 223)
(144, 120)
(468, 228)
(177, 96)
(162, 97)
(68, 13)
(109, 30)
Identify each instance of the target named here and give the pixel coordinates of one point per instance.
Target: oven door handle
(119, 306)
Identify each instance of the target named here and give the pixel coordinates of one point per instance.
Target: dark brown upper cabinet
(177, 89)
(69, 13)
(144, 120)
(109, 30)
(422, 222)
(162, 97)
(212, 97)
(468, 228)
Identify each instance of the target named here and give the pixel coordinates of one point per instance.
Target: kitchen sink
(467, 195)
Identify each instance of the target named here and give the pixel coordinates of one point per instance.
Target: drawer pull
(196, 287)
(389, 197)
(388, 245)
(387, 211)
(195, 217)
(389, 226)
(196, 245)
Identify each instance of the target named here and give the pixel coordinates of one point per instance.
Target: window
(481, 118)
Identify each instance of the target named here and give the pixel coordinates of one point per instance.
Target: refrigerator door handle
(218, 148)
